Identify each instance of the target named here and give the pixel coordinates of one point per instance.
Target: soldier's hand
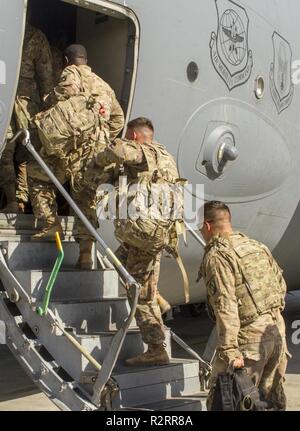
(238, 363)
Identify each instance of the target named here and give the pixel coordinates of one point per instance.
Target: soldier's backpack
(68, 124)
(235, 391)
(157, 233)
(159, 230)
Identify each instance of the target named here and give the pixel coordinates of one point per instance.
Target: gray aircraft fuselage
(209, 73)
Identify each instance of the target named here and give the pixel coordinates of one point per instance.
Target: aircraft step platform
(85, 317)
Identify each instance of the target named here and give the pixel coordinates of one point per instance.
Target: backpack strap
(186, 284)
(225, 387)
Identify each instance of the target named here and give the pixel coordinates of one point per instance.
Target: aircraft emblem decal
(229, 50)
(281, 85)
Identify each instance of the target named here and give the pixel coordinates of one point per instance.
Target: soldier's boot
(155, 355)
(163, 304)
(85, 261)
(48, 232)
(12, 205)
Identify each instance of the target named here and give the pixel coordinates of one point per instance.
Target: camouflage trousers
(14, 160)
(145, 268)
(266, 362)
(42, 193)
(14, 183)
(25, 110)
(7, 170)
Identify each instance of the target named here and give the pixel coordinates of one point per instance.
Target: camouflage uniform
(249, 325)
(7, 168)
(142, 262)
(79, 167)
(35, 82)
(145, 268)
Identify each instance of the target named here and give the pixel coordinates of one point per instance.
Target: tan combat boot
(156, 355)
(49, 231)
(85, 261)
(163, 304)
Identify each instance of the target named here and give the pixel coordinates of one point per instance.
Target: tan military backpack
(68, 124)
(156, 234)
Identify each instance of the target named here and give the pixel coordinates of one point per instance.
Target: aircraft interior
(109, 40)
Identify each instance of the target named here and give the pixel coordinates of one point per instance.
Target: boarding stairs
(90, 307)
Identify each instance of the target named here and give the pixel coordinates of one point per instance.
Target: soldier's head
(217, 219)
(75, 54)
(140, 130)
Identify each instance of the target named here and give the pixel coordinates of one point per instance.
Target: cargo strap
(186, 284)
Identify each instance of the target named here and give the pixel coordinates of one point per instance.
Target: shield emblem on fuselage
(281, 85)
(229, 48)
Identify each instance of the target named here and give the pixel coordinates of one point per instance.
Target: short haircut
(74, 51)
(141, 122)
(215, 210)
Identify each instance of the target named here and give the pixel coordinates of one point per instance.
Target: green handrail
(53, 276)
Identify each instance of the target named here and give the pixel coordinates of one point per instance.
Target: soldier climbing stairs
(86, 308)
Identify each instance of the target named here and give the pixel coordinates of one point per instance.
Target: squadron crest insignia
(229, 49)
(281, 85)
(212, 288)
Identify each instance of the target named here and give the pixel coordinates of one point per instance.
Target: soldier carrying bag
(235, 391)
(68, 124)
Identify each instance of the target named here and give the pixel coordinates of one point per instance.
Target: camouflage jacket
(148, 221)
(80, 79)
(36, 73)
(145, 164)
(141, 159)
(239, 306)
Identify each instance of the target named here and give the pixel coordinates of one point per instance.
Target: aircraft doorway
(109, 33)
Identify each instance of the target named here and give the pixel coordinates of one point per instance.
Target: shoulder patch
(212, 287)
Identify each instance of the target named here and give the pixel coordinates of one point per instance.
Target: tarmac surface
(18, 394)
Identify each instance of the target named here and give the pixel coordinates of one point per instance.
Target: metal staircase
(85, 313)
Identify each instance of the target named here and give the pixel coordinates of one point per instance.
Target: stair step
(146, 384)
(38, 254)
(96, 343)
(71, 284)
(91, 316)
(142, 385)
(131, 377)
(179, 404)
(27, 224)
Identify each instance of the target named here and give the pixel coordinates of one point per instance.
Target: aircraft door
(12, 24)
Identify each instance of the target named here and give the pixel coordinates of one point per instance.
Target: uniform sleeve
(127, 152)
(222, 298)
(69, 84)
(43, 65)
(116, 121)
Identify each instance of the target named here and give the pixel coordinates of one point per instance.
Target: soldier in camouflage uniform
(8, 174)
(35, 82)
(138, 156)
(79, 166)
(245, 296)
